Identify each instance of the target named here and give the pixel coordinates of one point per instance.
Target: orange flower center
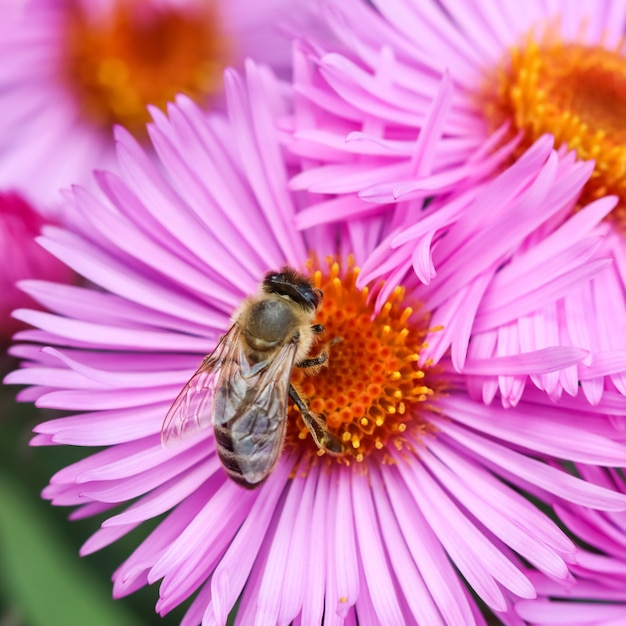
(373, 393)
(578, 94)
(138, 54)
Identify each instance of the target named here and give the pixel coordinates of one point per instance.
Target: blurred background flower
(22, 258)
(431, 480)
(78, 67)
(376, 84)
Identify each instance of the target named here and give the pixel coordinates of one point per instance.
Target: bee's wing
(191, 411)
(251, 411)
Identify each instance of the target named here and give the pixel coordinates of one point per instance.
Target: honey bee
(242, 388)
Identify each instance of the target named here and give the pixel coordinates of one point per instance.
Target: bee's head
(295, 286)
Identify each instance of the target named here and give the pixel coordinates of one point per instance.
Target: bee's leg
(317, 361)
(316, 424)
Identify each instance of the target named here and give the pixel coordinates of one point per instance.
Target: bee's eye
(318, 296)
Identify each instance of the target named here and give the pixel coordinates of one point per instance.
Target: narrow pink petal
(536, 362)
(105, 537)
(187, 550)
(445, 214)
(97, 306)
(537, 295)
(151, 548)
(513, 531)
(480, 562)
(344, 560)
(364, 608)
(519, 510)
(219, 196)
(552, 432)
(138, 448)
(118, 277)
(116, 379)
(52, 377)
(576, 228)
(246, 612)
(167, 495)
(569, 614)
(595, 528)
(463, 323)
(150, 456)
(157, 196)
(273, 584)
(233, 569)
(536, 473)
(141, 247)
(603, 364)
(512, 385)
(432, 130)
(350, 178)
(196, 609)
(419, 601)
(440, 578)
(372, 556)
(105, 428)
(88, 510)
(446, 321)
(112, 337)
(138, 484)
(500, 193)
(269, 186)
(315, 572)
(299, 582)
(421, 259)
(337, 209)
(99, 399)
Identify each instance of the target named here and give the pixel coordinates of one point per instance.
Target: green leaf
(43, 580)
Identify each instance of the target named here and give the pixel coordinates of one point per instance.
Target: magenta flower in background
(22, 258)
(598, 587)
(465, 80)
(584, 604)
(79, 66)
(430, 478)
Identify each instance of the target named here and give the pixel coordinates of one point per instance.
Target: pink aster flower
(406, 75)
(21, 258)
(77, 67)
(423, 502)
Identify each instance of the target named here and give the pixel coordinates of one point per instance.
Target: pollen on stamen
(575, 92)
(120, 58)
(374, 392)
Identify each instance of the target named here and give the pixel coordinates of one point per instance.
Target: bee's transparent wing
(251, 412)
(191, 412)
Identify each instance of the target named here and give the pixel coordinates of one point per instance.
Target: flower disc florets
(373, 392)
(575, 92)
(131, 56)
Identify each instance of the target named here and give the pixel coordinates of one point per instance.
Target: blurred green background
(43, 581)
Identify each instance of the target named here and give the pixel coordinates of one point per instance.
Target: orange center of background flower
(578, 94)
(138, 54)
(372, 393)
